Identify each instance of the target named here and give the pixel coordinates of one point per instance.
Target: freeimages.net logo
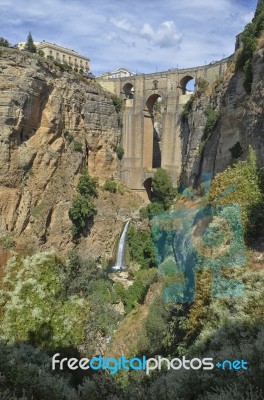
(193, 239)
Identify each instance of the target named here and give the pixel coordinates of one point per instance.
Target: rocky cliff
(53, 124)
(240, 124)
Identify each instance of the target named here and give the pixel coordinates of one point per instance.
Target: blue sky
(141, 35)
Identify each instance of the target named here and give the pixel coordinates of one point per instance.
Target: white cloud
(123, 23)
(165, 36)
(140, 35)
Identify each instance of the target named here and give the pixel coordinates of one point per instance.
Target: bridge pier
(140, 93)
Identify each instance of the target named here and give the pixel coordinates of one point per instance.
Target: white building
(61, 54)
(118, 73)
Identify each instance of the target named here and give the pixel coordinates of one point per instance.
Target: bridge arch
(128, 90)
(147, 185)
(185, 84)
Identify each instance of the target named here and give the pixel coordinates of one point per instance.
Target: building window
(50, 52)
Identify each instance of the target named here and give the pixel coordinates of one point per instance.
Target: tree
(30, 44)
(83, 208)
(163, 191)
(4, 42)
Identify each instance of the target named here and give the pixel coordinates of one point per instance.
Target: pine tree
(4, 42)
(30, 44)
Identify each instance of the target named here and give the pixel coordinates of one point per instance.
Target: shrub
(163, 191)
(41, 53)
(34, 307)
(81, 211)
(83, 208)
(246, 179)
(119, 152)
(4, 42)
(77, 146)
(141, 249)
(144, 212)
(87, 185)
(117, 102)
(136, 293)
(211, 121)
(187, 108)
(251, 33)
(202, 86)
(110, 186)
(68, 136)
(7, 242)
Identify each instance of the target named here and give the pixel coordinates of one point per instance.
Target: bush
(34, 306)
(68, 136)
(187, 108)
(251, 33)
(81, 211)
(136, 293)
(247, 182)
(87, 185)
(83, 208)
(4, 42)
(119, 152)
(163, 191)
(110, 186)
(117, 102)
(202, 86)
(211, 121)
(141, 249)
(77, 146)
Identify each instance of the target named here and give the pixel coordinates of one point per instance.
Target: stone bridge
(151, 120)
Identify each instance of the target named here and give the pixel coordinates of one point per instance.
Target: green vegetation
(119, 152)
(187, 108)
(141, 249)
(34, 307)
(163, 190)
(110, 186)
(7, 242)
(202, 86)
(68, 136)
(136, 293)
(117, 102)
(83, 208)
(248, 191)
(4, 42)
(85, 279)
(250, 35)
(211, 121)
(77, 146)
(30, 44)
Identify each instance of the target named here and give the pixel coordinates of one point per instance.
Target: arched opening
(153, 131)
(147, 185)
(188, 85)
(128, 90)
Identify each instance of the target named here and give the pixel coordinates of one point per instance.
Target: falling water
(120, 262)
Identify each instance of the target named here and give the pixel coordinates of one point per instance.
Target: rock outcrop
(241, 121)
(52, 126)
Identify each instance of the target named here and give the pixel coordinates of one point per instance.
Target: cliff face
(52, 125)
(241, 119)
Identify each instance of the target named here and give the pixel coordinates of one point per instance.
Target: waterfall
(120, 262)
